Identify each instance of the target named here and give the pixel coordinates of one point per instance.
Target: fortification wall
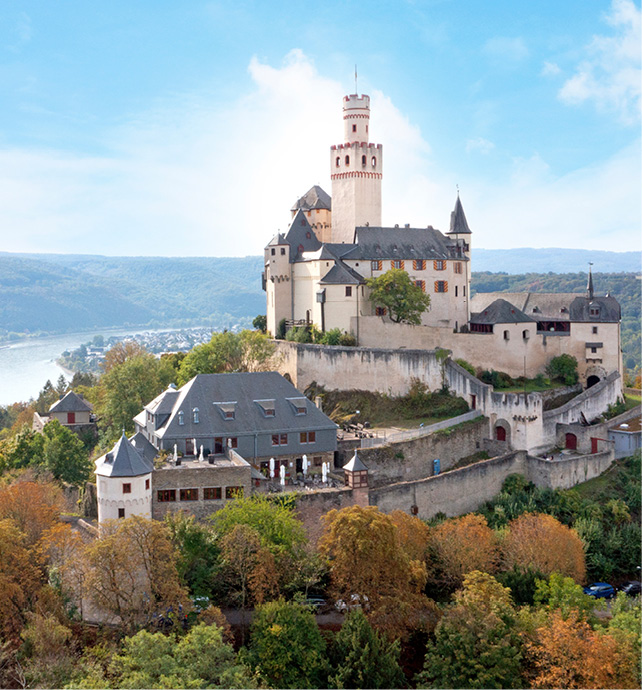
(592, 403)
(466, 489)
(411, 460)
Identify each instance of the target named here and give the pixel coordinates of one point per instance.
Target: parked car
(355, 602)
(315, 603)
(600, 590)
(632, 588)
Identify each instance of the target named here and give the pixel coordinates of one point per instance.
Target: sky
(164, 128)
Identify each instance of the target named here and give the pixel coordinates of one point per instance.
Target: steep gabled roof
(71, 402)
(340, 274)
(458, 222)
(314, 198)
(143, 446)
(123, 460)
(301, 236)
(501, 311)
(214, 394)
(403, 243)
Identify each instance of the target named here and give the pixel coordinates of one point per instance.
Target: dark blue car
(600, 590)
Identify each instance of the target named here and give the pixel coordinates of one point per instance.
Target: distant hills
(58, 293)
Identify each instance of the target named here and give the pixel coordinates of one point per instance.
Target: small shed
(355, 473)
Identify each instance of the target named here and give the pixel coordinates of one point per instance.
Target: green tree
(199, 561)
(227, 352)
(563, 594)
(286, 647)
(477, 644)
(394, 291)
(127, 387)
(23, 449)
(201, 659)
(64, 454)
(363, 658)
(260, 323)
(563, 368)
(276, 524)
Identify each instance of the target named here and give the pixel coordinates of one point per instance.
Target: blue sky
(189, 128)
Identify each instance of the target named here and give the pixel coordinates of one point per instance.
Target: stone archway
(594, 374)
(502, 431)
(592, 380)
(571, 441)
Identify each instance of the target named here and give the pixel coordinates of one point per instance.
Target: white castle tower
(356, 169)
(124, 482)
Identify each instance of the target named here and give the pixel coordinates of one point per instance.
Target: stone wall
(409, 460)
(584, 434)
(190, 477)
(466, 489)
(592, 403)
(311, 507)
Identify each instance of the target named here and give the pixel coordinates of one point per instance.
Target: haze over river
(25, 365)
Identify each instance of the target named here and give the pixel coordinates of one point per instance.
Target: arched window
(347, 160)
(363, 160)
(374, 161)
(195, 415)
(526, 335)
(181, 418)
(506, 335)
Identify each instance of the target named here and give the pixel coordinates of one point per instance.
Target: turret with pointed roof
(458, 222)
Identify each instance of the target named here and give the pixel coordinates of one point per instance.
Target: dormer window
(594, 311)
(267, 407)
(181, 418)
(300, 405)
(227, 409)
(195, 415)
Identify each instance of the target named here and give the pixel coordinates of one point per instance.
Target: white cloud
(610, 75)
(197, 177)
(506, 50)
(480, 145)
(550, 69)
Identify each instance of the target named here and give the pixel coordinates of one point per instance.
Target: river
(25, 365)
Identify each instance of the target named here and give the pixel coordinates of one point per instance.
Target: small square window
(189, 494)
(121, 513)
(594, 329)
(146, 484)
(127, 488)
(282, 251)
(348, 291)
(354, 128)
(212, 493)
(233, 492)
(380, 311)
(273, 251)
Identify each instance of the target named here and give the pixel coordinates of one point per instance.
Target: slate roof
(403, 243)
(552, 306)
(71, 402)
(500, 311)
(297, 236)
(314, 198)
(458, 222)
(123, 460)
(340, 274)
(212, 394)
(144, 446)
(355, 464)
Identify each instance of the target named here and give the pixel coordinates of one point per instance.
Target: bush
(563, 368)
(466, 365)
(347, 340)
(280, 330)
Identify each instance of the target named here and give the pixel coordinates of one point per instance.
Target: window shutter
(402, 264)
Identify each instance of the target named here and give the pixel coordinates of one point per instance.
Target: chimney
(318, 401)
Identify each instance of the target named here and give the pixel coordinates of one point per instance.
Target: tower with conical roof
(356, 170)
(124, 482)
(461, 234)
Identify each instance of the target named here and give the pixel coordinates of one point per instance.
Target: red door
(71, 417)
(571, 441)
(594, 445)
(500, 433)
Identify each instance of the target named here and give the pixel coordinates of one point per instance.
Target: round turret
(356, 118)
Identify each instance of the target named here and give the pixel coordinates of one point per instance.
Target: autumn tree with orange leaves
(374, 558)
(34, 507)
(567, 653)
(542, 543)
(132, 571)
(461, 545)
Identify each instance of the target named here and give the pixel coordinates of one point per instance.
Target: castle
(317, 272)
